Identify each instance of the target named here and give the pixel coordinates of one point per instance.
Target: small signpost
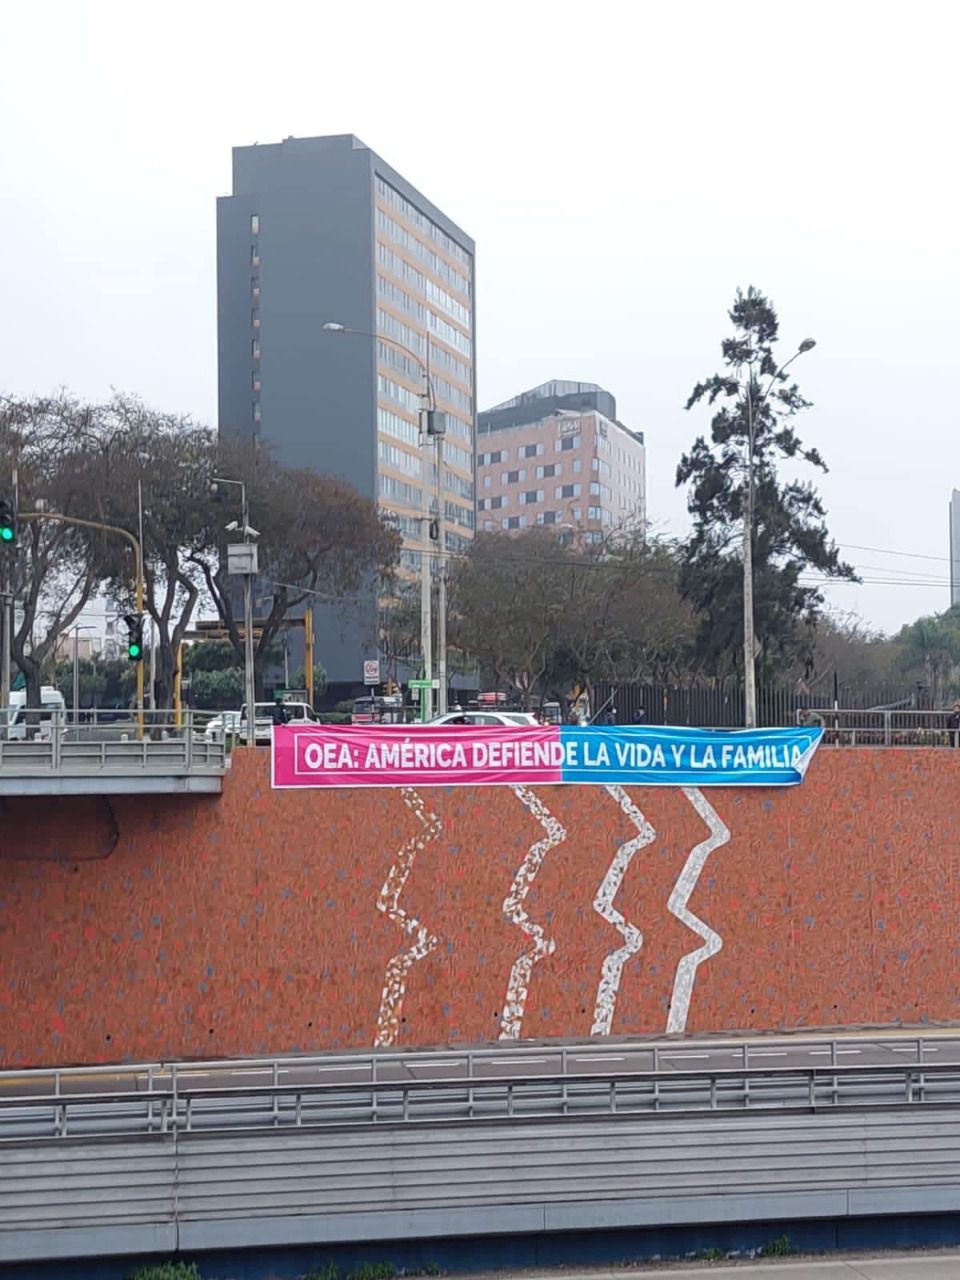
(416, 686)
(371, 671)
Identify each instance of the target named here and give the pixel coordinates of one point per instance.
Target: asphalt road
(902, 1267)
(513, 1062)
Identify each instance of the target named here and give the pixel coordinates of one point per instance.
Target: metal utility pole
(749, 629)
(441, 588)
(76, 676)
(6, 608)
(242, 560)
(749, 636)
(426, 565)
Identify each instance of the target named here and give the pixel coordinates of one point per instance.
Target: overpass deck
(58, 757)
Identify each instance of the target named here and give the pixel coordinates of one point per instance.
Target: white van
(51, 702)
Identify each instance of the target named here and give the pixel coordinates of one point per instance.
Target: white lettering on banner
(640, 755)
(327, 756)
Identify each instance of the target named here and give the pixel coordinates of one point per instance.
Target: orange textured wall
(263, 922)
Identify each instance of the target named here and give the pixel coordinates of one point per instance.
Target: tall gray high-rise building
(321, 230)
(955, 547)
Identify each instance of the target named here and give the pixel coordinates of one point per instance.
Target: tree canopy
(753, 397)
(96, 462)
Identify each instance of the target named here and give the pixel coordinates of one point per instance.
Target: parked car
(296, 713)
(509, 719)
(14, 723)
(226, 724)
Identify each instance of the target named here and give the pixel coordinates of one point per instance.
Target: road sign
(424, 684)
(371, 671)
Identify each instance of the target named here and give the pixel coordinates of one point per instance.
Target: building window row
(453, 337)
(600, 466)
(549, 470)
(461, 458)
(563, 444)
(392, 425)
(456, 541)
(531, 495)
(485, 459)
(440, 357)
(439, 266)
(398, 491)
(458, 515)
(567, 491)
(513, 522)
(406, 302)
(600, 490)
(491, 504)
(409, 526)
(407, 272)
(458, 485)
(445, 390)
(399, 458)
(393, 391)
(530, 450)
(410, 560)
(389, 195)
(514, 477)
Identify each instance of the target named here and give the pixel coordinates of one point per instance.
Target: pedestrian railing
(883, 727)
(37, 740)
(289, 1093)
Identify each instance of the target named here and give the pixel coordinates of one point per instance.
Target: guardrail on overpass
(53, 753)
(170, 1162)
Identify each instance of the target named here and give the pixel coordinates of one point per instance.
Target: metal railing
(287, 1094)
(58, 741)
(883, 727)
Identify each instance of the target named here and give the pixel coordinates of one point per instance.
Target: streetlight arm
(399, 346)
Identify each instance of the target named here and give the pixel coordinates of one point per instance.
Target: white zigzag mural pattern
(518, 986)
(686, 974)
(613, 964)
(395, 979)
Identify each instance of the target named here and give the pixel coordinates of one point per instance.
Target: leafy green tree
(931, 647)
(790, 538)
(217, 690)
(209, 655)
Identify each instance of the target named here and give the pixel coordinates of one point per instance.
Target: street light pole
(428, 405)
(749, 624)
(7, 616)
(249, 683)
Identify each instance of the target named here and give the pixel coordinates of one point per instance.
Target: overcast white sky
(622, 167)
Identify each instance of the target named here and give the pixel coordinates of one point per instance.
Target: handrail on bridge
(883, 726)
(57, 740)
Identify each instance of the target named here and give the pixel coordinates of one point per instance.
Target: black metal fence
(721, 706)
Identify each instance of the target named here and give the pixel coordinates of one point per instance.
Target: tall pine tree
(790, 538)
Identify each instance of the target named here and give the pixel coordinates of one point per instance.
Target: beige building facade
(558, 457)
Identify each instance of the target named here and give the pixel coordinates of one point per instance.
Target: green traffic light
(6, 534)
(134, 650)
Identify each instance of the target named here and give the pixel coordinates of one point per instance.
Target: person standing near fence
(954, 723)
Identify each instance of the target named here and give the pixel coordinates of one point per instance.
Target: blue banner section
(676, 757)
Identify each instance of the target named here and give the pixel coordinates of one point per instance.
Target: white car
(223, 725)
(510, 719)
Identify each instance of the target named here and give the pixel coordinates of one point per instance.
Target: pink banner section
(402, 755)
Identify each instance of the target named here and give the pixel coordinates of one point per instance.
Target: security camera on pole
(242, 560)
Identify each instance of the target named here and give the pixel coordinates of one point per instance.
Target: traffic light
(134, 625)
(8, 523)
